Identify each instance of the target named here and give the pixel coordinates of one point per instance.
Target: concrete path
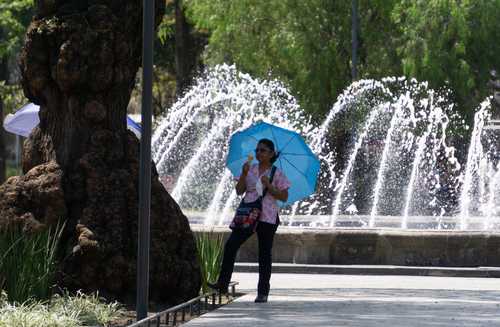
(348, 300)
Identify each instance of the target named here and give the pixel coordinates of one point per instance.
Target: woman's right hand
(246, 168)
(241, 186)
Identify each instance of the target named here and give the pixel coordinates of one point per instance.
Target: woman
(248, 184)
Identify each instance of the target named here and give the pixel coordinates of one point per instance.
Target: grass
(12, 168)
(28, 263)
(89, 309)
(210, 250)
(12, 171)
(62, 311)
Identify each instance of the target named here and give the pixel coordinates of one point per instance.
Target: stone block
(355, 247)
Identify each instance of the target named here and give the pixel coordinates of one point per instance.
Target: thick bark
(3, 152)
(79, 63)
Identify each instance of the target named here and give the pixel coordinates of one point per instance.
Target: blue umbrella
(26, 118)
(296, 159)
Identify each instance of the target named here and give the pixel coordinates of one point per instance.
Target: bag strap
(273, 170)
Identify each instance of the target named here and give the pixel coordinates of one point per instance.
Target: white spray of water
(350, 163)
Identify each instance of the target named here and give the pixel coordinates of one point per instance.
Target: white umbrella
(26, 118)
(23, 121)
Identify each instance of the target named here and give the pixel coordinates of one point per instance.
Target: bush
(210, 249)
(33, 315)
(62, 311)
(90, 310)
(28, 263)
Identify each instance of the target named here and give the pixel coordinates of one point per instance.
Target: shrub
(210, 249)
(62, 311)
(28, 263)
(90, 310)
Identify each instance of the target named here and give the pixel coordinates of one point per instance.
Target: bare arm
(277, 194)
(241, 186)
(281, 195)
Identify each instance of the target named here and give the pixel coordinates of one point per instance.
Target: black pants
(265, 235)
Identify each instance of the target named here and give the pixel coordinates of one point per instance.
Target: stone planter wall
(376, 247)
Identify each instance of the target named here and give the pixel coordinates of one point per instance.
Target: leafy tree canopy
(450, 43)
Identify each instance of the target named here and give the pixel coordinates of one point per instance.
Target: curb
(287, 268)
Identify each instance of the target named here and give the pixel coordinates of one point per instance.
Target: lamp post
(145, 161)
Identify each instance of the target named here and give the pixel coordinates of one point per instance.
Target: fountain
(401, 175)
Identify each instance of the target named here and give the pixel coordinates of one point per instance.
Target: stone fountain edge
(344, 246)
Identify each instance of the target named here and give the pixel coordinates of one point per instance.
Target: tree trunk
(185, 59)
(81, 163)
(3, 152)
(4, 76)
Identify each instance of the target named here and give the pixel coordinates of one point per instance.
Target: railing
(197, 306)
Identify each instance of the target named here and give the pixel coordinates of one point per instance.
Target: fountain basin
(380, 246)
(363, 221)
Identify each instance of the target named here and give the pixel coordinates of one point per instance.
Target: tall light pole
(354, 35)
(145, 161)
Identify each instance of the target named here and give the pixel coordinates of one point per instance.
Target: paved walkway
(348, 300)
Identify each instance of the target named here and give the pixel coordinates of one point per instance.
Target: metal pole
(354, 35)
(145, 161)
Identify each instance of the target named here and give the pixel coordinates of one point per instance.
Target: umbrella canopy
(23, 121)
(26, 118)
(296, 160)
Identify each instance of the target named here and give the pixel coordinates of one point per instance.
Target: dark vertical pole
(145, 161)
(355, 27)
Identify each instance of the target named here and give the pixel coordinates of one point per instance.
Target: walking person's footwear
(261, 298)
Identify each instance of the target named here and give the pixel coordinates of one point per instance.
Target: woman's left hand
(279, 195)
(265, 181)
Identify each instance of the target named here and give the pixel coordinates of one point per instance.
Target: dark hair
(270, 145)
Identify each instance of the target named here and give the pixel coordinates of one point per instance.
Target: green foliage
(62, 311)
(28, 263)
(12, 171)
(378, 56)
(33, 315)
(12, 96)
(304, 43)
(166, 29)
(14, 19)
(450, 42)
(165, 44)
(90, 310)
(428, 53)
(210, 250)
(307, 44)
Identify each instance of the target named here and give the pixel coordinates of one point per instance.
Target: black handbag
(248, 213)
